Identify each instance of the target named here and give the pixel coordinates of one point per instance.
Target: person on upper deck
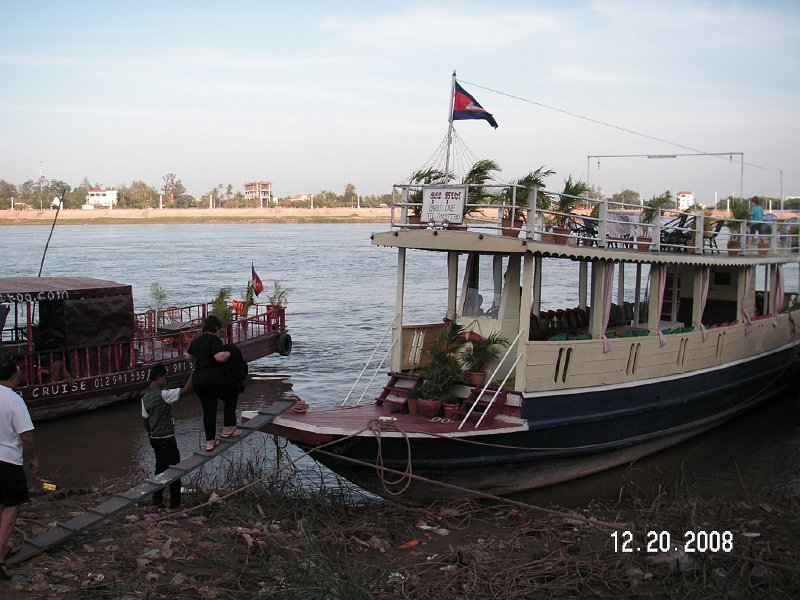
(756, 215)
(210, 382)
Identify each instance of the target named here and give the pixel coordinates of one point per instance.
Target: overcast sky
(313, 95)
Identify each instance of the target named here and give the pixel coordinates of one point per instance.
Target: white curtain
(662, 283)
(777, 293)
(748, 281)
(608, 286)
(705, 279)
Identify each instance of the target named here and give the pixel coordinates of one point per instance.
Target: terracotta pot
(412, 406)
(547, 237)
(734, 248)
(511, 229)
(763, 248)
(643, 244)
(414, 219)
(449, 410)
(476, 377)
(560, 235)
(428, 408)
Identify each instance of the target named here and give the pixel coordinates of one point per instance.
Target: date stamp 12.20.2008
(662, 541)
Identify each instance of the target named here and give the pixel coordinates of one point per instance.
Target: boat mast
(450, 125)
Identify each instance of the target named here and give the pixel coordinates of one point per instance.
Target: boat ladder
(60, 532)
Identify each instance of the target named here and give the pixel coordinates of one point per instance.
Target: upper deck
(588, 229)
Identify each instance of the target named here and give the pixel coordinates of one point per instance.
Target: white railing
(511, 210)
(366, 366)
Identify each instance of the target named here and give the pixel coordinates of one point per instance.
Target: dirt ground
(272, 542)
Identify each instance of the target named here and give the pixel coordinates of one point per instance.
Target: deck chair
(710, 236)
(585, 232)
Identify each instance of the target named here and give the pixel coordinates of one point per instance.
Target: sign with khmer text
(443, 204)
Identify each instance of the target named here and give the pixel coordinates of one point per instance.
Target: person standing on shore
(210, 382)
(16, 443)
(157, 415)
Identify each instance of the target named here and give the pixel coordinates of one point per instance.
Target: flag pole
(450, 127)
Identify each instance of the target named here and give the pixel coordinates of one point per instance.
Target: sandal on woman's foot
(234, 433)
(211, 445)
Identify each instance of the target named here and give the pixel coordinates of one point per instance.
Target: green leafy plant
(478, 175)
(532, 179)
(250, 294)
(159, 296)
(479, 353)
(740, 211)
(651, 209)
(569, 197)
(442, 372)
(279, 295)
(220, 306)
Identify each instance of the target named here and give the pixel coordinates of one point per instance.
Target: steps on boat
(60, 532)
(481, 404)
(396, 389)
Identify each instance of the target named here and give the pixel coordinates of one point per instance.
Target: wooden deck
(328, 423)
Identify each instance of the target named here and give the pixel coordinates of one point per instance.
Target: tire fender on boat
(284, 344)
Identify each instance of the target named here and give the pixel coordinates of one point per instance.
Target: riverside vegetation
(249, 530)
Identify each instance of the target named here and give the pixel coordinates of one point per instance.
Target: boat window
(483, 277)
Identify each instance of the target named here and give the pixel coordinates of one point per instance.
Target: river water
(341, 304)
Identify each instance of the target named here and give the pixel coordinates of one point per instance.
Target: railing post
(699, 232)
(404, 208)
(533, 196)
(602, 224)
(655, 231)
(773, 237)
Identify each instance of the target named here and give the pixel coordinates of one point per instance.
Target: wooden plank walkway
(60, 532)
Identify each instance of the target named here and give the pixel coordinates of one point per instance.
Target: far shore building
(260, 190)
(101, 198)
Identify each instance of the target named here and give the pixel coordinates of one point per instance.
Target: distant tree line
(40, 193)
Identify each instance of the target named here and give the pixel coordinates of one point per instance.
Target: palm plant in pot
(650, 210)
(478, 175)
(740, 213)
(515, 210)
(479, 354)
(563, 206)
(441, 373)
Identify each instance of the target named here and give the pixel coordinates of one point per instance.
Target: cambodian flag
(466, 107)
(258, 286)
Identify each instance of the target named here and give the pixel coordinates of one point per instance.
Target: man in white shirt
(16, 443)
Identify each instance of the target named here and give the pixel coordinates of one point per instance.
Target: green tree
(627, 197)
(350, 197)
(173, 187)
(141, 195)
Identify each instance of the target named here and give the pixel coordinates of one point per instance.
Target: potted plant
(650, 210)
(441, 373)
(515, 210)
(159, 299)
(740, 213)
(242, 307)
(563, 206)
(475, 179)
(479, 354)
(279, 295)
(220, 307)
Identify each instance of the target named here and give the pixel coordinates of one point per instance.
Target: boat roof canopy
(22, 289)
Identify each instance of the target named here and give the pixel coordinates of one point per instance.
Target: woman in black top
(210, 382)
